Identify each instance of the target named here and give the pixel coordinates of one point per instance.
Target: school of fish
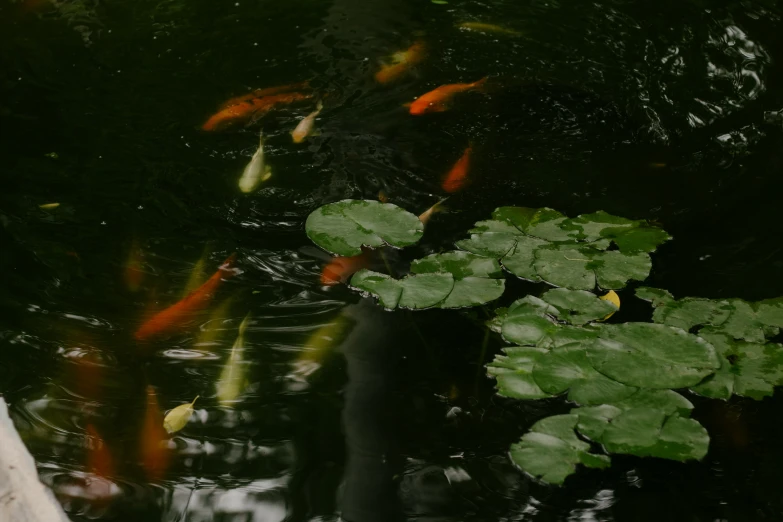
(204, 305)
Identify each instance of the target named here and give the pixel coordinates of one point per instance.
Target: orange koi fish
(251, 110)
(98, 457)
(341, 268)
(402, 62)
(458, 174)
(269, 91)
(437, 100)
(176, 315)
(154, 454)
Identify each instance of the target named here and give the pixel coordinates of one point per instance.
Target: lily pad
(551, 450)
(567, 368)
(544, 245)
(593, 420)
(345, 226)
(750, 321)
(450, 280)
(646, 432)
(747, 369)
(514, 373)
(579, 307)
(652, 355)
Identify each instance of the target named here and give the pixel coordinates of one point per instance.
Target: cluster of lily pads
(622, 377)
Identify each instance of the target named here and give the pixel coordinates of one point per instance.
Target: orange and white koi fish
(154, 453)
(341, 268)
(401, 63)
(134, 267)
(438, 100)
(305, 127)
(427, 214)
(269, 91)
(178, 314)
(251, 110)
(458, 174)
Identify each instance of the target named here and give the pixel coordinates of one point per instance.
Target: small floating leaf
(177, 418)
(580, 307)
(748, 369)
(551, 450)
(750, 321)
(345, 226)
(543, 244)
(448, 280)
(652, 355)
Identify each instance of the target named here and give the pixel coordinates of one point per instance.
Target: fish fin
(480, 85)
(267, 173)
(407, 105)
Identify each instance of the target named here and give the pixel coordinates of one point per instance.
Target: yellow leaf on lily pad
(613, 298)
(177, 418)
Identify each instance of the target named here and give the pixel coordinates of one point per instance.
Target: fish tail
(229, 262)
(319, 106)
(479, 85)
(261, 138)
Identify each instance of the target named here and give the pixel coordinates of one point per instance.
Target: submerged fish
(437, 100)
(268, 91)
(251, 110)
(210, 331)
(232, 378)
(154, 452)
(341, 268)
(177, 315)
(487, 28)
(458, 175)
(256, 172)
(427, 214)
(318, 346)
(305, 127)
(198, 273)
(401, 63)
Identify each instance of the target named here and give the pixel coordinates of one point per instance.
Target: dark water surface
(657, 110)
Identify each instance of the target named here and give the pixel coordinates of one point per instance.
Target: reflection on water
(661, 111)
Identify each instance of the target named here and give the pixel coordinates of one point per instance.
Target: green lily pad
(747, 369)
(646, 432)
(345, 226)
(652, 355)
(567, 368)
(551, 450)
(514, 373)
(750, 321)
(450, 280)
(630, 236)
(578, 307)
(543, 245)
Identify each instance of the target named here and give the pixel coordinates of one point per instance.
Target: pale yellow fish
(177, 418)
(211, 330)
(613, 298)
(232, 378)
(305, 127)
(48, 206)
(198, 275)
(256, 172)
(318, 346)
(481, 27)
(427, 214)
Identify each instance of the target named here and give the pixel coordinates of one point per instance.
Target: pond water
(665, 111)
